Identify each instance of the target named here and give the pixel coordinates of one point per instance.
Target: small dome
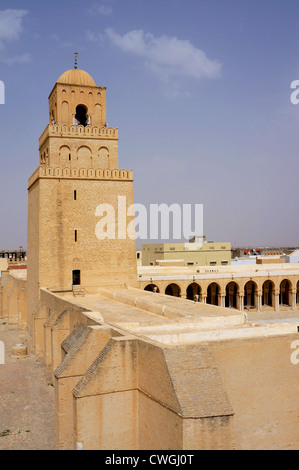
(76, 77)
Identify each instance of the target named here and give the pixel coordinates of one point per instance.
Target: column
(276, 301)
(222, 300)
(294, 300)
(259, 302)
(241, 302)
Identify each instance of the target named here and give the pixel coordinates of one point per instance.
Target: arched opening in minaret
(81, 115)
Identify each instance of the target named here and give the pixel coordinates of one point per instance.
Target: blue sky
(200, 92)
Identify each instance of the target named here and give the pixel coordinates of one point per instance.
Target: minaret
(77, 176)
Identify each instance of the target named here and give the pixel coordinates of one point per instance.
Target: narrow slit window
(75, 195)
(76, 236)
(70, 156)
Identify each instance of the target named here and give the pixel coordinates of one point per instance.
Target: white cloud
(10, 30)
(101, 9)
(93, 37)
(166, 56)
(11, 24)
(17, 59)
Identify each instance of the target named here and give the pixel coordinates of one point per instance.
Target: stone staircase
(78, 291)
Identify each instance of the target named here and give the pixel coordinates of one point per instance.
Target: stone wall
(118, 391)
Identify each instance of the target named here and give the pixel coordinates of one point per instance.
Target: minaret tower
(78, 182)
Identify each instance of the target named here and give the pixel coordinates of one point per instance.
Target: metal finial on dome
(76, 63)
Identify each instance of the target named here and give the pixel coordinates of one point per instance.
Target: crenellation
(93, 132)
(80, 173)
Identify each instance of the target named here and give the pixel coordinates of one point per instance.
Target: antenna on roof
(76, 62)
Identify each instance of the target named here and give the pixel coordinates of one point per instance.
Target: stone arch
(231, 294)
(98, 114)
(173, 290)
(268, 293)
(104, 158)
(64, 112)
(84, 151)
(213, 293)
(285, 292)
(84, 155)
(250, 294)
(151, 288)
(64, 154)
(194, 292)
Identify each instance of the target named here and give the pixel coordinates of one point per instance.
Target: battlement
(56, 130)
(80, 173)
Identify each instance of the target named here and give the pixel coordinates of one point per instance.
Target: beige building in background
(188, 254)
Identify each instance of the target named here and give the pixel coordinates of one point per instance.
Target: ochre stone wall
(262, 386)
(117, 391)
